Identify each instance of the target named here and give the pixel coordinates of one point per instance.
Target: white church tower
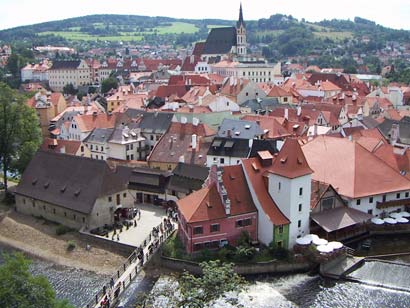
(290, 188)
(241, 35)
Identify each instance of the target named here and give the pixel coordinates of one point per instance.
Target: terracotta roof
(277, 91)
(189, 79)
(237, 189)
(189, 63)
(87, 122)
(176, 142)
(255, 175)
(351, 169)
(233, 89)
(61, 146)
(167, 91)
(290, 161)
(202, 205)
(318, 189)
(198, 49)
(273, 129)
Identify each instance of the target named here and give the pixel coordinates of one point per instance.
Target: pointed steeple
(240, 20)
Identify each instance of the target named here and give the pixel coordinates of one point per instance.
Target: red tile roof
(277, 91)
(238, 191)
(290, 161)
(255, 175)
(87, 122)
(61, 146)
(351, 169)
(189, 79)
(273, 129)
(202, 205)
(167, 91)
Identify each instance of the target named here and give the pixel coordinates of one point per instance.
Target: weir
(392, 275)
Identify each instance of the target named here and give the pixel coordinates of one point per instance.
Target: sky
(393, 13)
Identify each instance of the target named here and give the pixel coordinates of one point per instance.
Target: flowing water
(77, 286)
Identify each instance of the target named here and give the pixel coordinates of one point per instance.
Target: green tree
(108, 84)
(18, 288)
(69, 89)
(20, 134)
(217, 278)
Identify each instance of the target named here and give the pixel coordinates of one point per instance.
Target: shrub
(71, 245)
(60, 230)
(244, 239)
(281, 253)
(226, 253)
(244, 253)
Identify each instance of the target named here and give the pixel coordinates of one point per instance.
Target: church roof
(220, 41)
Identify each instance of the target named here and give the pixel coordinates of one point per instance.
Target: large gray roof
(404, 129)
(68, 64)
(239, 129)
(70, 181)
(220, 41)
(99, 135)
(229, 147)
(261, 105)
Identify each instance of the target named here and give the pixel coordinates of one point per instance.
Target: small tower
(241, 35)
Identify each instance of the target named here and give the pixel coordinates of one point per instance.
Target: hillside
(278, 36)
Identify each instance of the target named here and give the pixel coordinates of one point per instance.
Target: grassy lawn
(216, 26)
(177, 28)
(77, 36)
(334, 35)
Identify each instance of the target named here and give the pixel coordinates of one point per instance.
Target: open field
(177, 28)
(334, 35)
(78, 36)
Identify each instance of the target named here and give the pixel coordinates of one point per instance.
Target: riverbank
(37, 237)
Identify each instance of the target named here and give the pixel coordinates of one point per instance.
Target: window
(370, 199)
(300, 207)
(151, 137)
(384, 198)
(65, 214)
(74, 216)
(243, 223)
(327, 203)
(124, 195)
(82, 148)
(54, 211)
(300, 191)
(358, 202)
(398, 196)
(215, 228)
(91, 147)
(198, 230)
(83, 219)
(247, 94)
(127, 147)
(280, 229)
(406, 194)
(222, 160)
(370, 212)
(299, 223)
(102, 148)
(109, 199)
(279, 185)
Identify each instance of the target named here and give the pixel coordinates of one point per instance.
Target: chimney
(229, 133)
(315, 130)
(195, 121)
(250, 143)
(286, 114)
(194, 143)
(182, 159)
(299, 111)
(394, 133)
(200, 100)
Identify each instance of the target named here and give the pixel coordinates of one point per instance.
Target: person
(135, 223)
(112, 282)
(118, 237)
(139, 213)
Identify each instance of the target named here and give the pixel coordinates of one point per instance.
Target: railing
(118, 282)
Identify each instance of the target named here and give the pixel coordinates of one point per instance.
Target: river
(296, 290)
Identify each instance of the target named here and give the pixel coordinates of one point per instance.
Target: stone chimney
(394, 133)
(286, 116)
(299, 111)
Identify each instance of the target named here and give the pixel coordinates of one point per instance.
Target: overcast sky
(393, 13)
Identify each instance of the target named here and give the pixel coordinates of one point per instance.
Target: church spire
(240, 20)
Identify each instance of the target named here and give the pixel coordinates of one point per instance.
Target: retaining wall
(242, 269)
(105, 243)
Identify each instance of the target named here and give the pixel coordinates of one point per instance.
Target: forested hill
(279, 36)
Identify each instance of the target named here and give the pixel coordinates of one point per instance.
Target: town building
(78, 192)
(75, 72)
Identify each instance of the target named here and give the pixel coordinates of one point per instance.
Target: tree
(108, 84)
(20, 134)
(18, 288)
(69, 89)
(217, 278)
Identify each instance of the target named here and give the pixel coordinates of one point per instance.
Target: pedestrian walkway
(151, 216)
(112, 290)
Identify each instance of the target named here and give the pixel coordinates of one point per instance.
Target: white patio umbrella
(335, 245)
(402, 220)
(303, 241)
(395, 215)
(405, 214)
(391, 221)
(377, 221)
(324, 248)
(311, 236)
(319, 241)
